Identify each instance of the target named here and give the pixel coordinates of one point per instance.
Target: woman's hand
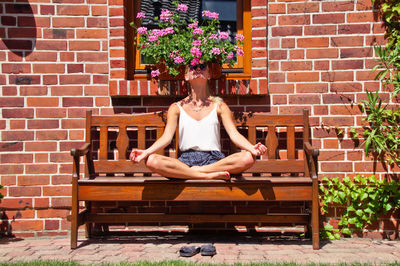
(259, 149)
(138, 155)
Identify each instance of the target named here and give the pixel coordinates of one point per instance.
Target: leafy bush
(364, 199)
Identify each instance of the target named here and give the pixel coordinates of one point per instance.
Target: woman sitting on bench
(199, 136)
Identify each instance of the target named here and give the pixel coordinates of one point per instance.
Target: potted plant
(178, 43)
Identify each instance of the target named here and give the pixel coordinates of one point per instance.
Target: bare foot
(220, 175)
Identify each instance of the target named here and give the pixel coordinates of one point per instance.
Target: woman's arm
(169, 131)
(238, 139)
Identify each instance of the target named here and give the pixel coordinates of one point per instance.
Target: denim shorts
(199, 158)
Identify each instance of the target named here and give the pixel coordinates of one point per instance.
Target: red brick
(361, 17)
(334, 76)
(335, 18)
(304, 99)
(304, 7)
(73, 123)
(365, 75)
(338, 6)
(16, 68)
(346, 41)
(96, 22)
(66, 90)
(41, 158)
(353, 29)
(99, 10)
(42, 101)
(33, 180)
(288, 43)
(335, 121)
(49, 68)
(286, 31)
(11, 146)
(68, 22)
(346, 87)
(345, 110)
(43, 124)
(20, 203)
(41, 146)
(331, 155)
(24, 191)
(294, 20)
(296, 65)
(356, 52)
(354, 155)
(78, 102)
(72, 10)
(47, 10)
(50, 79)
(43, 45)
(57, 191)
(17, 135)
(92, 57)
(9, 91)
(291, 110)
(51, 112)
(96, 68)
(51, 224)
(41, 169)
(18, 113)
(84, 45)
(302, 76)
(347, 64)
(11, 102)
(52, 213)
(27, 225)
(311, 88)
(296, 54)
(52, 135)
(336, 167)
(41, 203)
(16, 158)
(322, 53)
(313, 42)
(74, 79)
(33, 90)
(91, 34)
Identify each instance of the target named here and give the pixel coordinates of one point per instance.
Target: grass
(172, 263)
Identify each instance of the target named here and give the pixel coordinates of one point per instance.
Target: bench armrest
(310, 150)
(76, 154)
(312, 158)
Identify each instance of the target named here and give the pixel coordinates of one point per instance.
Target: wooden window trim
(244, 27)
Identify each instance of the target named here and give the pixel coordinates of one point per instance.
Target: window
(235, 17)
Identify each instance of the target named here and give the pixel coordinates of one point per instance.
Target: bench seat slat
(261, 166)
(196, 218)
(195, 192)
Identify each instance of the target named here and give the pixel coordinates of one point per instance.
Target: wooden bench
(288, 173)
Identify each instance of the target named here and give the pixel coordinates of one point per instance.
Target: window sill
(228, 76)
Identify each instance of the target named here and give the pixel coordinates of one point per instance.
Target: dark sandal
(208, 250)
(189, 251)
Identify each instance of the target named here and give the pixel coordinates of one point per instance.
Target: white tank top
(203, 135)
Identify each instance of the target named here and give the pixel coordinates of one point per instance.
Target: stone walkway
(231, 248)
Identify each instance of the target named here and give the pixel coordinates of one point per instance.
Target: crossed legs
(171, 167)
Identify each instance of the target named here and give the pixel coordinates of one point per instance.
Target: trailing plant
(364, 199)
(382, 135)
(1, 196)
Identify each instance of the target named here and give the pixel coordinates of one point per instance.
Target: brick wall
(61, 57)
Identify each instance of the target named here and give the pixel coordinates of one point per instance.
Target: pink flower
(153, 38)
(213, 36)
(195, 61)
(165, 14)
(239, 37)
(240, 51)
(179, 59)
(195, 51)
(209, 14)
(230, 56)
(198, 31)
(140, 15)
(223, 35)
(196, 43)
(182, 7)
(215, 50)
(155, 73)
(214, 15)
(142, 30)
(194, 25)
(166, 31)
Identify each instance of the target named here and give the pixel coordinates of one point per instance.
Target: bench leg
(315, 214)
(74, 214)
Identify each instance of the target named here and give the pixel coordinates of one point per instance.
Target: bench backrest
(112, 138)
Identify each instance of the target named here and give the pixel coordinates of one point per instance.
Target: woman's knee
(153, 161)
(247, 159)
